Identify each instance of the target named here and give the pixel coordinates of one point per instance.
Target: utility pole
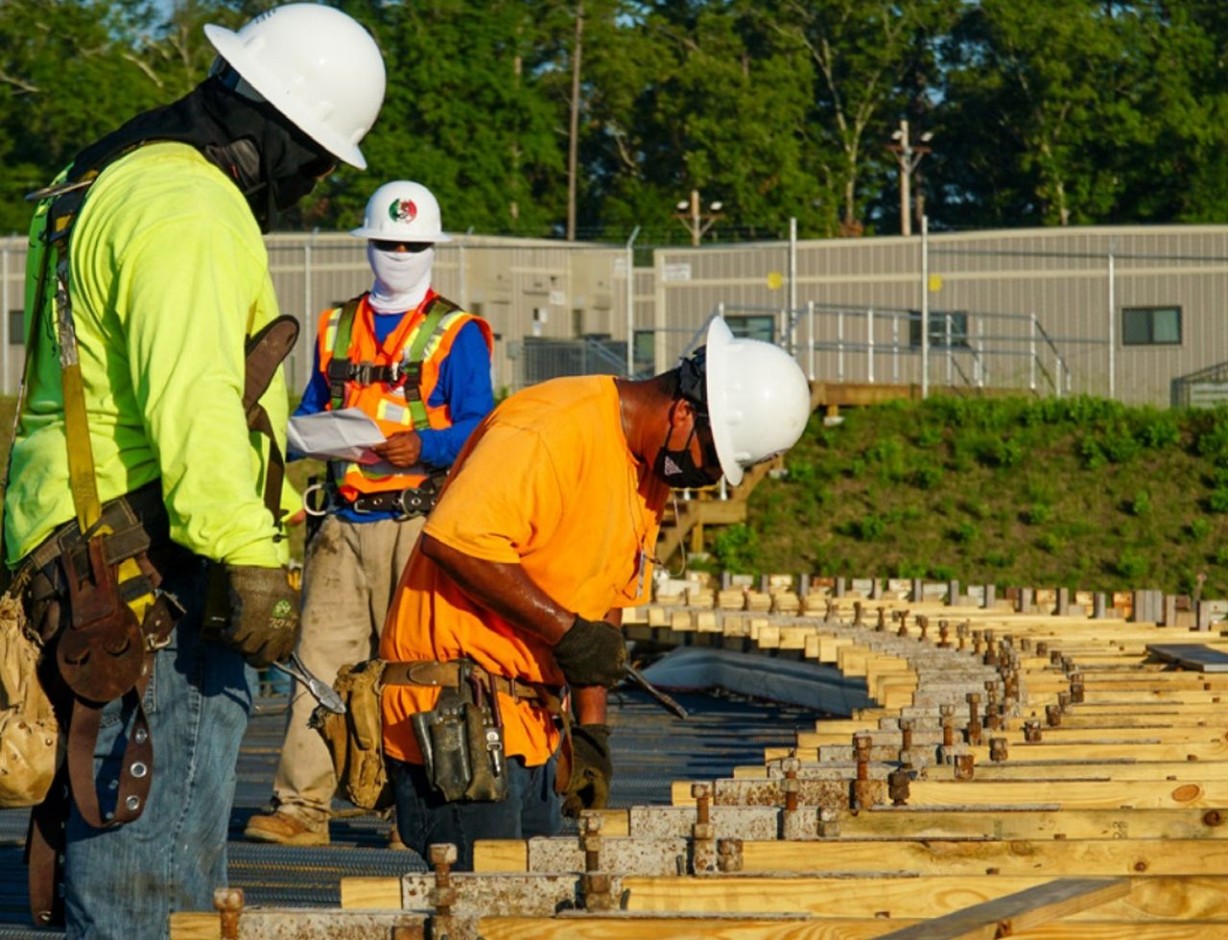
(695, 219)
(909, 156)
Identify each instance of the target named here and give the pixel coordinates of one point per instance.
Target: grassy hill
(1079, 492)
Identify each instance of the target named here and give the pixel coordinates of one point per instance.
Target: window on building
(948, 329)
(17, 327)
(1151, 326)
(753, 326)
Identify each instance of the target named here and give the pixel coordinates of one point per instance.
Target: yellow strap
(80, 454)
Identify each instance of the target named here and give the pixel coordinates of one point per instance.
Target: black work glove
(591, 769)
(592, 653)
(262, 608)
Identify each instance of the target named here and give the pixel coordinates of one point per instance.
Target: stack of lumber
(1018, 773)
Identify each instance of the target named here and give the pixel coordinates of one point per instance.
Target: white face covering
(402, 278)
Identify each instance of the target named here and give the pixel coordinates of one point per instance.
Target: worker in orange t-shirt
(513, 594)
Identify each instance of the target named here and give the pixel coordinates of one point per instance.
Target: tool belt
(322, 498)
(461, 738)
(82, 593)
(406, 503)
(448, 675)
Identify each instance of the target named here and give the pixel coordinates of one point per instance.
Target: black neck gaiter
(272, 162)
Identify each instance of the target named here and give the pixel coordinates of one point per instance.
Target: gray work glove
(592, 653)
(260, 614)
(591, 770)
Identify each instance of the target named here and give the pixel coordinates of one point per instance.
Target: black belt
(412, 501)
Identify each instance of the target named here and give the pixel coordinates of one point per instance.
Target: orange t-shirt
(547, 481)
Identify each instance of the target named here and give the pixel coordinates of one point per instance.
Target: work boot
(285, 828)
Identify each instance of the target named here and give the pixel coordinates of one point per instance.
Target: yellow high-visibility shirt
(169, 274)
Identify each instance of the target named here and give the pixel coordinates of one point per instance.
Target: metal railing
(844, 343)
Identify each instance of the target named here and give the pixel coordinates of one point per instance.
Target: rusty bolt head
(228, 899)
(965, 766)
(997, 749)
(701, 791)
(590, 822)
(443, 853)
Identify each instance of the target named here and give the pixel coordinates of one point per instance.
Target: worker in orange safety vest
(420, 367)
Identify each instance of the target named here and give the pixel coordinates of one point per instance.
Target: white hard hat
(758, 399)
(315, 65)
(402, 211)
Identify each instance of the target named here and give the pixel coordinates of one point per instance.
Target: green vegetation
(1083, 493)
(1043, 112)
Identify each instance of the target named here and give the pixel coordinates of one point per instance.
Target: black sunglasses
(411, 247)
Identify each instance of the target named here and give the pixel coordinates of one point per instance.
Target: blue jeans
(532, 808)
(125, 882)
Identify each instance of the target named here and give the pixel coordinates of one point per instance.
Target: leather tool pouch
(461, 740)
(355, 739)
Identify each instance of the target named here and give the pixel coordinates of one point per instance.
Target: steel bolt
(1031, 731)
(974, 717)
(1053, 716)
(703, 802)
(948, 725)
(1076, 687)
(997, 749)
(228, 902)
(442, 857)
(965, 766)
(791, 785)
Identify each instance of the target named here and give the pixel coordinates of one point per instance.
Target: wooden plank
(1069, 794)
(1187, 771)
(631, 927)
(889, 822)
(1060, 735)
(190, 925)
(1017, 912)
(1058, 858)
(904, 898)
(379, 894)
(500, 855)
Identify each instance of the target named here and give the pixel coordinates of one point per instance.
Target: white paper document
(335, 435)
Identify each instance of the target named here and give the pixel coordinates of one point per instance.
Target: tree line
(588, 118)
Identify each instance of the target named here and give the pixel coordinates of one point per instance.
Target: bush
(1037, 514)
(1131, 566)
(1198, 529)
(1141, 504)
(1219, 499)
(734, 548)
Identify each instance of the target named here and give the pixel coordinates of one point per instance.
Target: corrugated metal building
(1133, 313)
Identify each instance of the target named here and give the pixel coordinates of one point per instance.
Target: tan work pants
(349, 576)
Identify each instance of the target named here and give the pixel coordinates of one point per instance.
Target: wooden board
(1055, 859)
(1017, 912)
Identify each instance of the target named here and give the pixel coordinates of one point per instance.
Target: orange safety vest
(391, 381)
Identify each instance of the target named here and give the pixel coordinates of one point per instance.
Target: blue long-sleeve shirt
(464, 386)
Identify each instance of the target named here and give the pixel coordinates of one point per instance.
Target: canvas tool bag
(30, 742)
